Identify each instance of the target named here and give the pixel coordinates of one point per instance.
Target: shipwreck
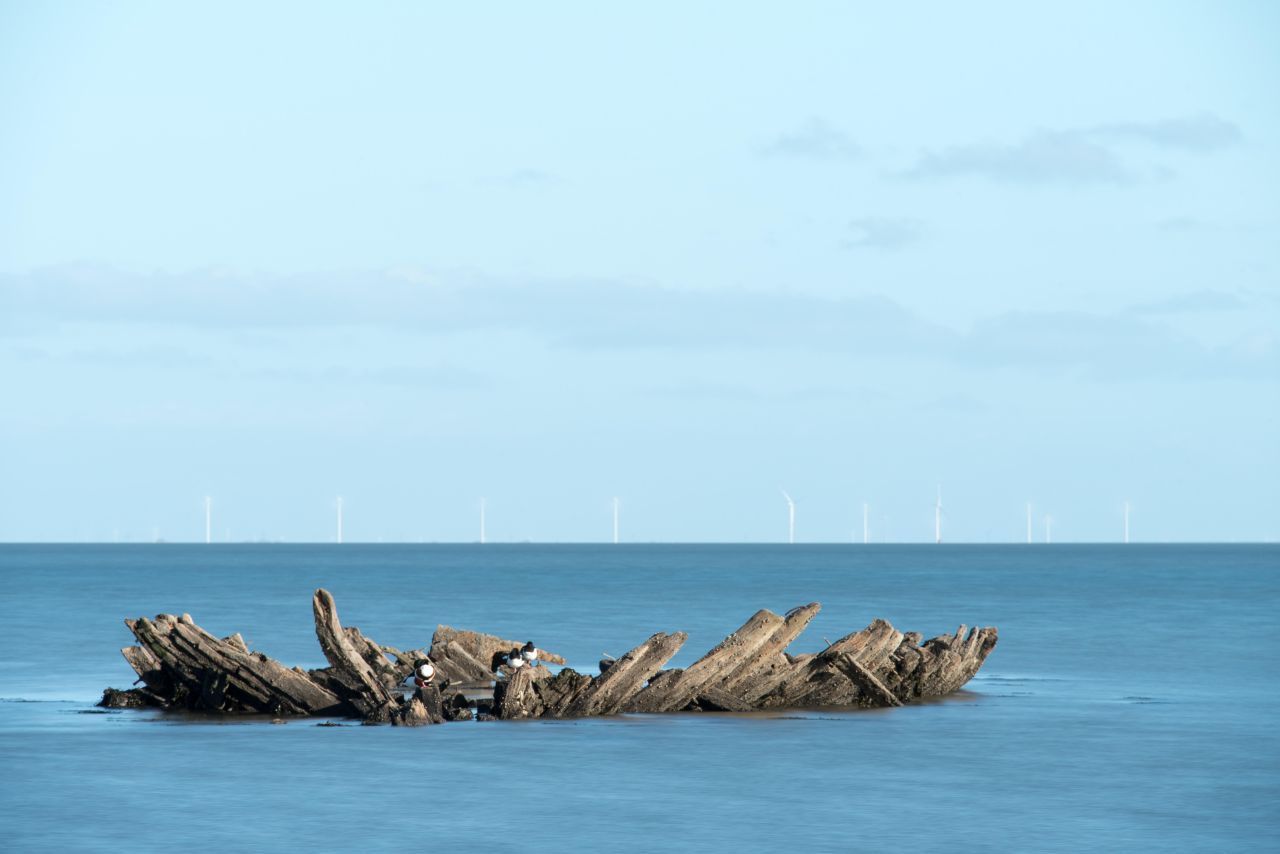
(180, 666)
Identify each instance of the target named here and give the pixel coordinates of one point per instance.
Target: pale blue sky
(685, 254)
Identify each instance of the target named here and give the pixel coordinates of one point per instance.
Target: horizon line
(780, 543)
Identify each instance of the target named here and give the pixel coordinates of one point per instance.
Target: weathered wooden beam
(871, 646)
(425, 707)
(374, 654)
(770, 654)
(215, 675)
(375, 700)
(464, 656)
(609, 692)
(947, 662)
(813, 681)
(712, 669)
(237, 641)
(141, 660)
(865, 680)
(518, 699)
(817, 681)
(813, 675)
(715, 700)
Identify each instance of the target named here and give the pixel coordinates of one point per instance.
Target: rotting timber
(180, 666)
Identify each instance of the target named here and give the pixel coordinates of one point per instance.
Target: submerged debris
(181, 666)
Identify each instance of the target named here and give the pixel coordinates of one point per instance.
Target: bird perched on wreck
(424, 673)
(529, 653)
(511, 659)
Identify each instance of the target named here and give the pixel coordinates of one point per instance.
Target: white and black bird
(424, 673)
(529, 653)
(515, 659)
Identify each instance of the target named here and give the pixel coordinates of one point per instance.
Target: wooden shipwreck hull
(181, 666)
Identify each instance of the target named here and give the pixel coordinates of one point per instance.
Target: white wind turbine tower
(1126, 522)
(937, 518)
(208, 518)
(791, 518)
(615, 520)
(481, 521)
(339, 519)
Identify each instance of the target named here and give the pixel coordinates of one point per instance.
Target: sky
(685, 255)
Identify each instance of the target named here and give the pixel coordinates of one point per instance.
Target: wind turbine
(937, 518)
(481, 521)
(615, 520)
(791, 518)
(1126, 522)
(208, 517)
(339, 519)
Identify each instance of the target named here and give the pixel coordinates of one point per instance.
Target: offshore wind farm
(613, 534)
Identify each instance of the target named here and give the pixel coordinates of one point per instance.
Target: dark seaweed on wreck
(180, 666)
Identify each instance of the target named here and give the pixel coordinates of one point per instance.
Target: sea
(1131, 704)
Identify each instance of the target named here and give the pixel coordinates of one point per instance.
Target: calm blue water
(1129, 705)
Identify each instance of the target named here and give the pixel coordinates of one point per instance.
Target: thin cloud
(418, 377)
(960, 403)
(815, 140)
(1199, 134)
(707, 391)
(609, 316)
(1077, 156)
(1190, 303)
(1045, 157)
(881, 233)
(524, 178)
(1180, 224)
(568, 313)
(638, 318)
(1110, 348)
